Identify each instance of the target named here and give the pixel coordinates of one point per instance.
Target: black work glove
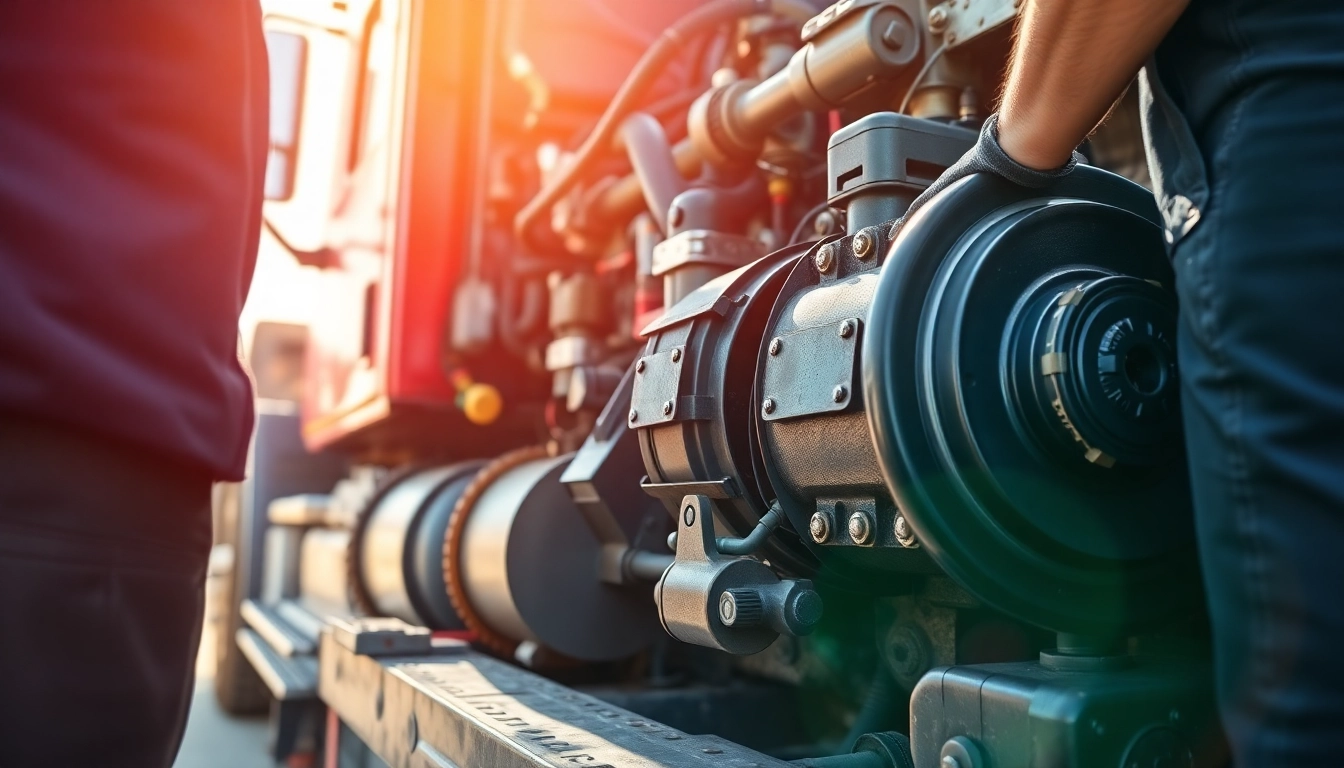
(988, 157)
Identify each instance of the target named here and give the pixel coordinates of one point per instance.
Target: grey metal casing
(877, 165)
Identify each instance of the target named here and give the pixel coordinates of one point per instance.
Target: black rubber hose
(878, 705)
(646, 70)
(857, 760)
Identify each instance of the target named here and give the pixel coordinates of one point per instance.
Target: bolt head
(898, 34)
(825, 258)
(667, 408)
(776, 344)
(938, 19)
(863, 245)
(640, 366)
(904, 533)
(820, 527)
(676, 355)
(740, 607)
(727, 609)
(840, 393)
(634, 415)
(768, 405)
(860, 528)
(846, 329)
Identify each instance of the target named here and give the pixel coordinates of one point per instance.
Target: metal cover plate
(812, 373)
(968, 19)
(657, 388)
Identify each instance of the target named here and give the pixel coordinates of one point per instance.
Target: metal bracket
(382, 637)
(657, 397)
(703, 246)
(968, 19)
(733, 604)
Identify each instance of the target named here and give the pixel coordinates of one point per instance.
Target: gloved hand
(988, 157)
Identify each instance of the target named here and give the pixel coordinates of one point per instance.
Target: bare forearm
(1072, 60)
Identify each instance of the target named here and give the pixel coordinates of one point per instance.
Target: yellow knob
(482, 403)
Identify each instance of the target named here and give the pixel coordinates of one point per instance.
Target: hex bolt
(861, 527)
(676, 355)
(908, 653)
(776, 344)
(667, 408)
(938, 19)
(846, 329)
(634, 415)
(863, 245)
(820, 527)
(840, 393)
(640, 366)
(768, 405)
(897, 34)
(904, 533)
(825, 257)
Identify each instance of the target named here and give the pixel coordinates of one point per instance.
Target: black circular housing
(1094, 367)
(1021, 390)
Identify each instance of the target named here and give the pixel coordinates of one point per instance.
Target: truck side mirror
(289, 57)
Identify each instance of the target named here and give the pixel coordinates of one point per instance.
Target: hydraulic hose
(874, 715)
(728, 545)
(646, 70)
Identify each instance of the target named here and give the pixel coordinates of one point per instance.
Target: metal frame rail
(423, 703)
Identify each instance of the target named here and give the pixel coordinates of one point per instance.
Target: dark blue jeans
(1247, 139)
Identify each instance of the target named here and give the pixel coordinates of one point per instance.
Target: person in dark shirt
(132, 149)
(1244, 103)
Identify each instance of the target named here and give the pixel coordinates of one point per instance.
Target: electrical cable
(812, 214)
(919, 78)
(669, 44)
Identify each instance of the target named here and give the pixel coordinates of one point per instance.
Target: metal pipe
(826, 72)
(655, 167)
(645, 565)
(625, 199)
(768, 103)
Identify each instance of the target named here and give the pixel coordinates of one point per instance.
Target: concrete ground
(214, 739)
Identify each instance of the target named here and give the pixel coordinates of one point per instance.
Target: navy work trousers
(1258, 197)
(103, 551)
